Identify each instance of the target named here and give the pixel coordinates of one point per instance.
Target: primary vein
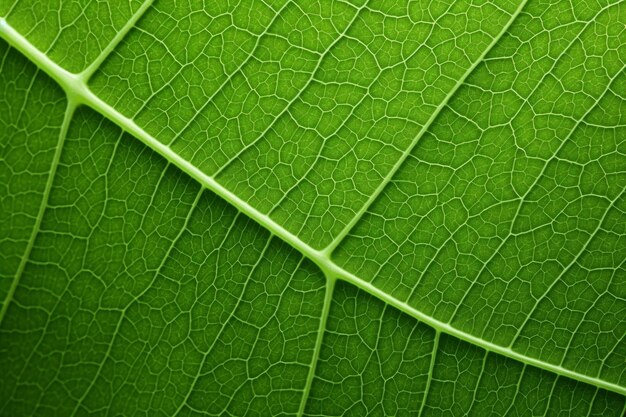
(78, 92)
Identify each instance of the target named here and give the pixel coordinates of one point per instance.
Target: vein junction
(79, 93)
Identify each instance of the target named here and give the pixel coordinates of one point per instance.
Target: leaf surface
(313, 208)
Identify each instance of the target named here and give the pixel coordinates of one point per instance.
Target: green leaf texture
(301, 207)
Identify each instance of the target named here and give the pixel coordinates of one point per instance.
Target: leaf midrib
(79, 93)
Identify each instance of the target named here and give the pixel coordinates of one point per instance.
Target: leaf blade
(609, 181)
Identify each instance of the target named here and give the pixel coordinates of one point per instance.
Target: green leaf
(312, 208)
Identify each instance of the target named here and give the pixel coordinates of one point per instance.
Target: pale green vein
(80, 92)
(330, 287)
(226, 235)
(593, 400)
(551, 396)
(453, 331)
(359, 214)
(431, 368)
(480, 378)
(532, 186)
(138, 297)
(540, 175)
(232, 314)
(227, 79)
(573, 262)
(86, 74)
(295, 98)
(287, 193)
(517, 391)
(67, 118)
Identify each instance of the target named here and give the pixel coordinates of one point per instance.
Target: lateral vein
(328, 296)
(79, 93)
(69, 112)
(392, 172)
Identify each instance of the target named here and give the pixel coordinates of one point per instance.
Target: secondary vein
(69, 112)
(79, 93)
